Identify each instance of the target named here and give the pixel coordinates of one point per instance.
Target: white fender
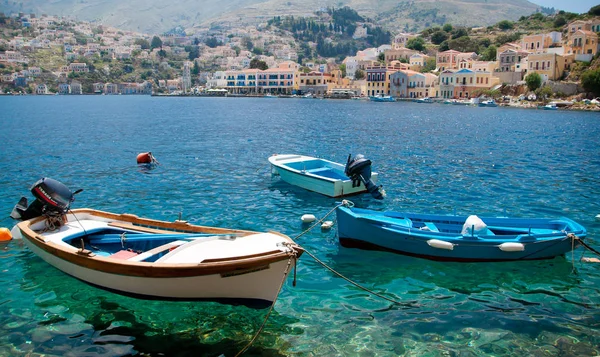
(512, 247)
(327, 225)
(436, 243)
(307, 218)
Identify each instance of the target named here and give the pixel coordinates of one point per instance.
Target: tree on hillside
(417, 44)
(505, 25)
(489, 54)
(212, 42)
(447, 28)
(156, 42)
(142, 42)
(464, 44)
(256, 63)
(590, 80)
(595, 11)
(439, 37)
(534, 81)
(460, 32)
(429, 65)
(444, 46)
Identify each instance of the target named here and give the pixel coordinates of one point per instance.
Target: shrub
(590, 80)
(534, 81)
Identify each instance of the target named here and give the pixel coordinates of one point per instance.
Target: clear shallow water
(214, 171)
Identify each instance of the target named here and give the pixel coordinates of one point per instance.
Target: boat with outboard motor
(152, 259)
(327, 177)
(457, 238)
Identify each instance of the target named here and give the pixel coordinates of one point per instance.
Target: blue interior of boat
(109, 241)
(318, 167)
(454, 224)
(306, 165)
(329, 173)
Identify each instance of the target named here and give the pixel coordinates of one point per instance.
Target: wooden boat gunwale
(90, 260)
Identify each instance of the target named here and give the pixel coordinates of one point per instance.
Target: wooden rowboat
(161, 260)
(153, 259)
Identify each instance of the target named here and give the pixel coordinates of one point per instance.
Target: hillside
(155, 16)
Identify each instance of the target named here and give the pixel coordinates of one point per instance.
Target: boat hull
(326, 178)
(395, 235)
(218, 267)
(252, 286)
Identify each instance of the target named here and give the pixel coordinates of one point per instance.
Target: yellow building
(536, 42)
(315, 82)
(584, 42)
(378, 78)
(550, 66)
(398, 54)
(450, 59)
(465, 83)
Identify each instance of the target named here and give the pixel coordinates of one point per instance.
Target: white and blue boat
(424, 100)
(382, 98)
(488, 103)
(327, 177)
(551, 106)
(458, 238)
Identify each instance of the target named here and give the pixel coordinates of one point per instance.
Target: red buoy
(146, 158)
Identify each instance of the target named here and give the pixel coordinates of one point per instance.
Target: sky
(577, 6)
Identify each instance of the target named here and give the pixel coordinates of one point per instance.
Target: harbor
(214, 171)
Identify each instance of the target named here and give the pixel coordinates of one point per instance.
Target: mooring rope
(293, 256)
(346, 203)
(574, 237)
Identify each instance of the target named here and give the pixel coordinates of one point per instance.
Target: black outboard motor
(359, 170)
(51, 198)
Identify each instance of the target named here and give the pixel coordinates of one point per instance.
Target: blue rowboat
(457, 238)
(327, 177)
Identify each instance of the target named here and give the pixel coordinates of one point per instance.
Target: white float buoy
(307, 218)
(512, 247)
(436, 243)
(327, 225)
(598, 217)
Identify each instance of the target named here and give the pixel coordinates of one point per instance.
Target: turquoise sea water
(214, 171)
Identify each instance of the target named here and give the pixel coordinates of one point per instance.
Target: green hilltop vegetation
(332, 32)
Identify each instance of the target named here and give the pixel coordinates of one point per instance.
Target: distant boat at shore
(488, 103)
(382, 98)
(551, 106)
(423, 100)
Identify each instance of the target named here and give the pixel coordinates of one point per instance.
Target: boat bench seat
(157, 250)
(318, 169)
(429, 226)
(123, 254)
(327, 172)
